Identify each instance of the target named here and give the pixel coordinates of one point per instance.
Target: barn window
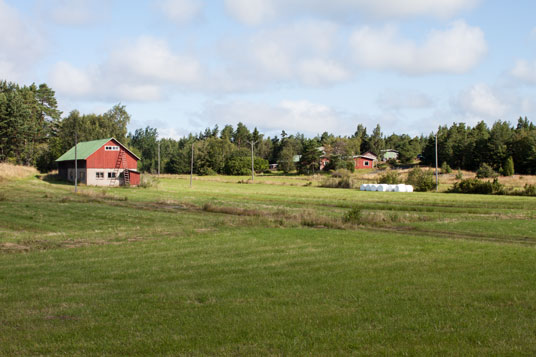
(100, 175)
(366, 163)
(111, 148)
(111, 174)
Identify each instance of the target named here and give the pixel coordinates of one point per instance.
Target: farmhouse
(104, 162)
(389, 154)
(365, 161)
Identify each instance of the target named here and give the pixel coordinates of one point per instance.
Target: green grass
(251, 269)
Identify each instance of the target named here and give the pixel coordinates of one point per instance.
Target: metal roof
(86, 148)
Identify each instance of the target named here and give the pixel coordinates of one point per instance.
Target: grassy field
(278, 267)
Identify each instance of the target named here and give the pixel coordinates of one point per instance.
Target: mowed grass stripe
(388, 292)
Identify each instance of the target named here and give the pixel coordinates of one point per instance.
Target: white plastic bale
(373, 187)
(409, 188)
(401, 188)
(382, 188)
(362, 187)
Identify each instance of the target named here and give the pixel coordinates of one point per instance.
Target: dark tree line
(469, 148)
(33, 132)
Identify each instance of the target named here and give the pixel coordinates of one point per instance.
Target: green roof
(84, 150)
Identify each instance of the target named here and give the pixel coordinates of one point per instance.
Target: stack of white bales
(386, 188)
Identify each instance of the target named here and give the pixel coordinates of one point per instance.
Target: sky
(304, 66)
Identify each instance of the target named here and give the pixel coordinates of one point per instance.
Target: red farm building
(104, 162)
(365, 161)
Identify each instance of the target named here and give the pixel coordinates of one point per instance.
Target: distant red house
(366, 161)
(104, 162)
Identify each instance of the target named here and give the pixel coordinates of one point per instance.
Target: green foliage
(528, 190)
(390, 177)
(421, 180)
(445, 168)
(508, 169)
(206, 171)
(354, 215)
(178, 163)
(340, 178)
(459, 175)
(486, 171)
(241, 165)
(286, 159)
(310, 158)
(476, 186)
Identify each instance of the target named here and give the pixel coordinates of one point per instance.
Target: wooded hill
(33, 132)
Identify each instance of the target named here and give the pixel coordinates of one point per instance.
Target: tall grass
(10, 171)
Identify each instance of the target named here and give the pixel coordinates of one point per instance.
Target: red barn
(365, 161)
(104, 162)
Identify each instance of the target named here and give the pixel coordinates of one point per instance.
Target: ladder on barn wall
(121, 163)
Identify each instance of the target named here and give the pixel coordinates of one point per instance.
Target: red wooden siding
(363, 163)
(101, 158)
(134, 178)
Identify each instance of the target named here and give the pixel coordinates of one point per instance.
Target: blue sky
(296, 65)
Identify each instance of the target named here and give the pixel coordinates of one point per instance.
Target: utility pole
(158, 157)
(75, 157)
(436, 173)
(192, 166)
(252, 160)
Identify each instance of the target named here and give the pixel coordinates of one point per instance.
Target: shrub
(350, 165)
(477, 186)
(241, 165)
(390, 178)
(459, 175)
(354, 215)
(339, 179)
(421, 180)
(391, 162)
(206, 171)
(508, 169)
(528, 190)
(445, 168)
(486, 171)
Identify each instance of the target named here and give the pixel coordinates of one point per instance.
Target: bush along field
(281, 266)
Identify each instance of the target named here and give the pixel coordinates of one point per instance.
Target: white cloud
(250, 12)
(317, 71)
(151, 60)
(20, 45)
(76, 12)
(180, 11)
(525, 71)
(137, 71)
(65, 78)
(482, 102)
(255, 12)
(454, 50)
(404, 99)
(303, 52)
(292, 116)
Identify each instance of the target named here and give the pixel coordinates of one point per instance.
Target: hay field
(281, 267)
